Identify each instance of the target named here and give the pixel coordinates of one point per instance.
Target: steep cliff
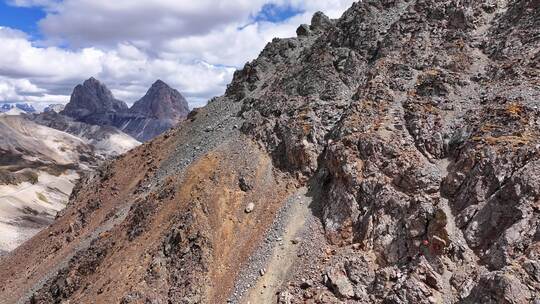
(93, 103)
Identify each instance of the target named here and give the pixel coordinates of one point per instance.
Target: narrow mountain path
(273, 262)
(283, 255)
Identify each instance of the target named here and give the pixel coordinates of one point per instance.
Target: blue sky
(276, 13)
(21, 18)
(194, 46)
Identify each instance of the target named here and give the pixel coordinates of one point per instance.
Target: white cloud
(53, 72)
(31, 3)
(104, 22)
(128, 44)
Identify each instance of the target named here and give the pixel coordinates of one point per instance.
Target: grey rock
(533, 269)
(303, 30)
(159, 110)
(244, 184)
(339, 283)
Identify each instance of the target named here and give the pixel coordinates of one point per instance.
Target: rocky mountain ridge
(389, 156)
(160, 109)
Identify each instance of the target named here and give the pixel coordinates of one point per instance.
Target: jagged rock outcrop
(427, 164)
(392, 157)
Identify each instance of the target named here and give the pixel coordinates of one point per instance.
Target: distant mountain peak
(90, 100)
(159, 83)
(25, 107)
(162, 102)
(91, 82)
(160, 109)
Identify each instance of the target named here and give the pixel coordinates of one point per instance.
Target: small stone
(262, 272)
(295, 241)
(244, 184)
(250, 207)
(305, 284)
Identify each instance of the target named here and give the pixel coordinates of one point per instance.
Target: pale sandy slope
(107, 141)
(39, 143)
(57, 158)
(27, 208)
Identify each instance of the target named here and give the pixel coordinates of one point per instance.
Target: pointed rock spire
(162, 102)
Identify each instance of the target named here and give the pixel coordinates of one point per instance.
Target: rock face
(162, 102)
(159, 110)
(414, 125)
(93, 103)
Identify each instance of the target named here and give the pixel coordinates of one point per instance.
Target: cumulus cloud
(50, 72)
(94, 22)
(194, 46)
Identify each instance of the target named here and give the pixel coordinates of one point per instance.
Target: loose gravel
(274, 238)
